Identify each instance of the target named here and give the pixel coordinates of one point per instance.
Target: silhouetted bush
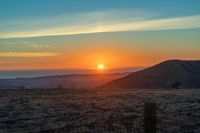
(176, 85)
(59, 87)
(22, 87)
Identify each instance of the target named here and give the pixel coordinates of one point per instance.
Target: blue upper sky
(31, 18)
(10, 9)
(46, 18)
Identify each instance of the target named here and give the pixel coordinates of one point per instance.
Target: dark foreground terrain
(50, 110)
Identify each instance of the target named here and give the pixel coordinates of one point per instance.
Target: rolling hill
(66, 81)
(168, 74)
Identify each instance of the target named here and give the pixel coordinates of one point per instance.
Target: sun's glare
(100, 66)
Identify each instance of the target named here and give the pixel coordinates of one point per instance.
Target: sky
(80, 34)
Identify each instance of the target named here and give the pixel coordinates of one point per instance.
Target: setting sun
(101, 66)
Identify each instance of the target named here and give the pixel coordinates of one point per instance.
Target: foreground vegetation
(42, 109)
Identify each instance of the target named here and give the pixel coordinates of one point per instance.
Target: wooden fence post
(150, 118)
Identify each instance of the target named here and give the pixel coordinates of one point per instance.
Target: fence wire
(166, 123)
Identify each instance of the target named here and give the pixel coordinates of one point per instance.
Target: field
(50, 109)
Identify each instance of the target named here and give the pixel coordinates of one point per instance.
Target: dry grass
(32, 110)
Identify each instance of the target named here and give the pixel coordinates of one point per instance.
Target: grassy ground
(39, 109)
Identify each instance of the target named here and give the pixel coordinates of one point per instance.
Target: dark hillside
(168, 74)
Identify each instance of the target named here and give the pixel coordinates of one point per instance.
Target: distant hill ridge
(66, 81)
(167, 74)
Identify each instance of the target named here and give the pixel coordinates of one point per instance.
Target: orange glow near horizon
(90, 59)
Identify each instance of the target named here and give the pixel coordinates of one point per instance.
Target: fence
(177, 123)
(111, 126)
(151, 122)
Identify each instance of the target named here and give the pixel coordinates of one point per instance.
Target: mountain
(168, 74)
(66, 81)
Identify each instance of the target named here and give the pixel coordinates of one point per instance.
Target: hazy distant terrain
(48, 109)
(66, 81)
(186, 74)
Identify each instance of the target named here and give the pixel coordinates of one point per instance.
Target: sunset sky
(80, 34)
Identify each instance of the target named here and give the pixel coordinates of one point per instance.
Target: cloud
(25, 44)
(28, 54)
(34, 45)
(97, 22)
